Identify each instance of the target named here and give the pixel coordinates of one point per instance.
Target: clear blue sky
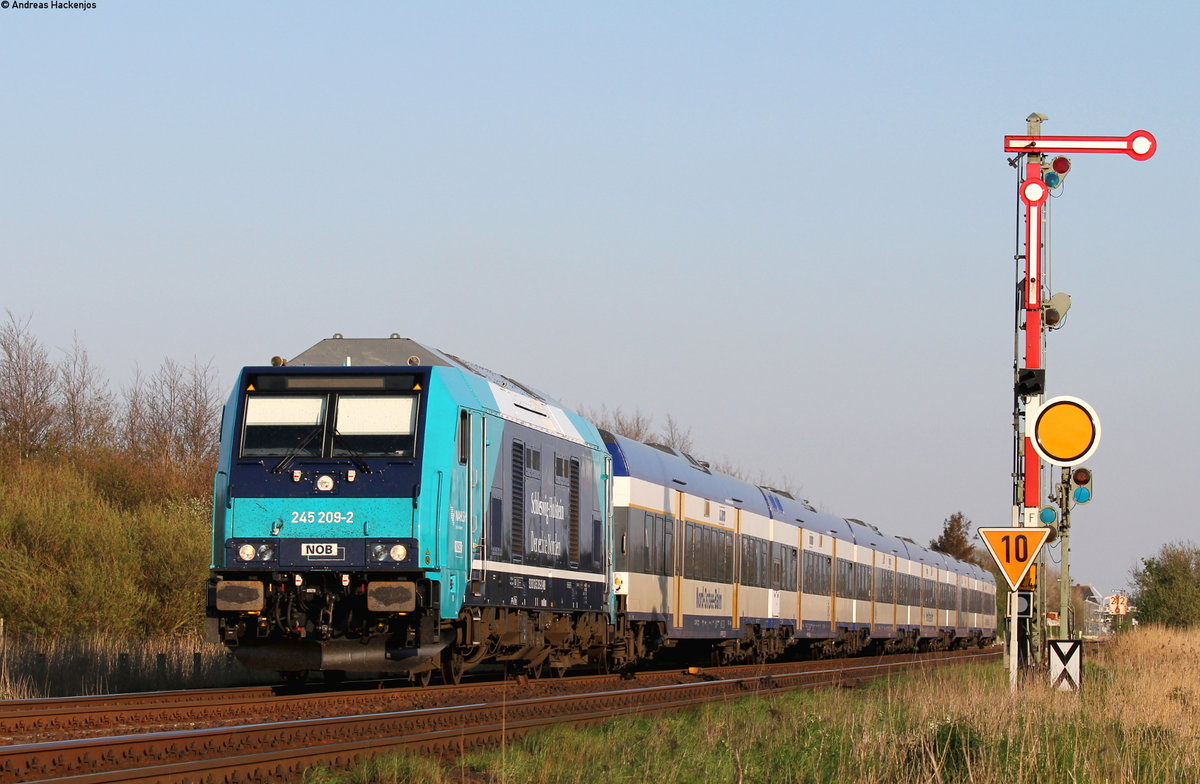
(789, 225)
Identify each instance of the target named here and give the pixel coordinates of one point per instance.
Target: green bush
(76, 559)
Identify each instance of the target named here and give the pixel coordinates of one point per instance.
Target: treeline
(104, 496)
(66, 408)
(1166, 587)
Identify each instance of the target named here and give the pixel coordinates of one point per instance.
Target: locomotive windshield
(329, 425)
(369, 426)
(279, 425)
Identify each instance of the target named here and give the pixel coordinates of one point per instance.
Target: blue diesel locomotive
(381, 506)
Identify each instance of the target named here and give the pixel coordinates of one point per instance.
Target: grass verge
(1135, 721)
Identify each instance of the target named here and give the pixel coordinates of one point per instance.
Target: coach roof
(670, 468)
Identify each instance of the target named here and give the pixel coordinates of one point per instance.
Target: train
(381, 506)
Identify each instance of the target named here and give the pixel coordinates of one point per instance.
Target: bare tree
(636, 426)
(133, 419)
(173, 418)
(86, 405)
(27, 390)
(674, 436)
(199, 416)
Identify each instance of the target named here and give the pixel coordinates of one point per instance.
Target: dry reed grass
(60, 667)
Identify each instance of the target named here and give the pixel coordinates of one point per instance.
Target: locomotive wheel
(421, 679)
(452, 666)
(534, 671)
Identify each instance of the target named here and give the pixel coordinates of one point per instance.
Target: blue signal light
(1082, 495)
(1048, 515)
(1052, 179)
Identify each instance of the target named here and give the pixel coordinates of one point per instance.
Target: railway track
(249, 735)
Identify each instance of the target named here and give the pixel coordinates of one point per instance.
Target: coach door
(682, 535)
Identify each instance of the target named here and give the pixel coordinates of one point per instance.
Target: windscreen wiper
(354, 456)
(291, 455)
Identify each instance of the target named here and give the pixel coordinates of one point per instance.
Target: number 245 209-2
(322, 517)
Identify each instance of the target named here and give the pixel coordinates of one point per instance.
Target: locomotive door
(477, 492)
(466, 508)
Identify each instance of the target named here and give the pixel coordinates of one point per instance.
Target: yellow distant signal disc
(1066, 431)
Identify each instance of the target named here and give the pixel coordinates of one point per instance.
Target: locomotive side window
(279, 425)
(374, 426)
(597, 544)
(464, 437)
(496, 527)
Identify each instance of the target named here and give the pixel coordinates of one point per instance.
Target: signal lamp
(1054, 310)
(247, 552)
(1030, 381)
(398, 552)
(1081, 485)
(1055, 172)
(1048, 515)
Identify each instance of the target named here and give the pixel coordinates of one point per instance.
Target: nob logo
(4, 4)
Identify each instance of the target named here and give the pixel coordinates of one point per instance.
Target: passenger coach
(749, 571)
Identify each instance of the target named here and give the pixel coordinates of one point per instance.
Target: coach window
(668, 561)
(706, 559)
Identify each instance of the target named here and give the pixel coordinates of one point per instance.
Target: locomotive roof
(396, 351)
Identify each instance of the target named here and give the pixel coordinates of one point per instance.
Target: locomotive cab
(317, 548)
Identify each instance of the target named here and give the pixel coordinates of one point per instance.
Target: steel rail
(255, 751)
(57, 719)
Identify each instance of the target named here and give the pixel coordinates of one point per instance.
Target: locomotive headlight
(378, 552)
(247, 552)
(398, 552)
(266, 552)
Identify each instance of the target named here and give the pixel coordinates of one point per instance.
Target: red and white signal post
(1040, 178)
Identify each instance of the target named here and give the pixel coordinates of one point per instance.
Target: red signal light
(1061, 165)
